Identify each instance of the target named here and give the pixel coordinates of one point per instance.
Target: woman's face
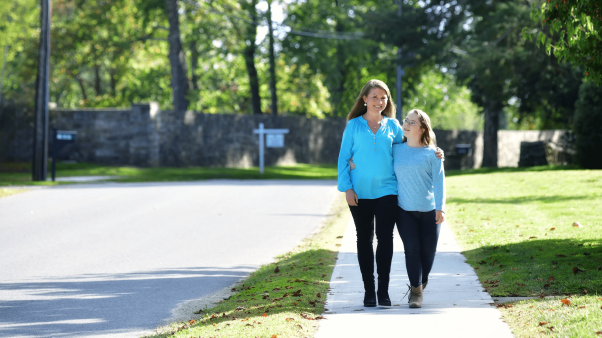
(412, 127)
(376, 101)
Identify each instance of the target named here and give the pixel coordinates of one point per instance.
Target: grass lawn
(281, 299)
(516, 229)
(20, 173)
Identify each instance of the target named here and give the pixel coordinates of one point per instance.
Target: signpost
(275, 139)
(60, 138)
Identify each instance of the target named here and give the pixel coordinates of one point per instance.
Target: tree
(588, 125)
(571, 30)
(503, 69)
(179, 82)
(272, 60)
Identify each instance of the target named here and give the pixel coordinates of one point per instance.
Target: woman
(371, 190)
(421, 200)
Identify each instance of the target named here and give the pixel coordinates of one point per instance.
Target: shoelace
(404, 296)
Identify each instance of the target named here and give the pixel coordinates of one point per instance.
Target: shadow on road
(90, 304)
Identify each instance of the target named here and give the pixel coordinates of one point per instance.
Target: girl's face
(412, 127)
(376, 101)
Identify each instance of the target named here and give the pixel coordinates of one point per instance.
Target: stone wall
(146, 136)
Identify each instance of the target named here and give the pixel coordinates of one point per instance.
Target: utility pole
(272, 61)
(399, 71)
(40, 136)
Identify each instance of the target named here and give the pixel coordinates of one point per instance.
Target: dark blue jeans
(384, 211)
(419, 232)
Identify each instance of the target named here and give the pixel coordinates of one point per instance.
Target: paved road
(116, 259)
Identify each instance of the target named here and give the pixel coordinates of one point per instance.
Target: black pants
(384, 209)
(419, 232)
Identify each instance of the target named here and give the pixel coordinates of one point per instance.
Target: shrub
(588, 126)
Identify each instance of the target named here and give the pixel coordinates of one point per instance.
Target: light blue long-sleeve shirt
(420, 178)
(372, 153)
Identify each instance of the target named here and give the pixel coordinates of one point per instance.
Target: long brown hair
(428, 137)
(359, 108)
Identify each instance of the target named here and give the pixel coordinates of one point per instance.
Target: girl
(371, 190)
(421, 200)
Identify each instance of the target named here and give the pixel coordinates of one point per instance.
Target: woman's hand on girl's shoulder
(440, 154)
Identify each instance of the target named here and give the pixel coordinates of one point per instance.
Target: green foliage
(588, 125)
(570, 29)
(447, 104)
(505, 71)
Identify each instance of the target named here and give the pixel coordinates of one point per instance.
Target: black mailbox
(463, 149)
(60, 138)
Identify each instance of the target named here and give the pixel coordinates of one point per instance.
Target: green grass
(20, 173)
(550, 317)
(516, 229)
(7, 192)
(271, 307)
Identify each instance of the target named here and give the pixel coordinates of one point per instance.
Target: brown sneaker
(415, 299)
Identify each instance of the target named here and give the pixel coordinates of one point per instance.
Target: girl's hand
(351, 197)
(351, 164)
(440, 216)
(440, 155)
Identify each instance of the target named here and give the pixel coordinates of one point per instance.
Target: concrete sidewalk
(455, 304)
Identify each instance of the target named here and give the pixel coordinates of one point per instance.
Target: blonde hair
(428, 137)
(359, 108)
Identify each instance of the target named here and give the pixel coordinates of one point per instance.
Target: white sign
(274, 140)
(277, 142)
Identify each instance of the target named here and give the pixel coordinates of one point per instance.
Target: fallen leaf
(277, 269)
(576, 270)
(532, 237)
(518, 226)
(543, 295)
(320, 317)
(552, 229)
(299, 325)
(542, 323)
(551, 278)
(560, 255)
(586, 254)
(577, 225)
(565, 301)
(546, 285)
(582, 307)
(585, 291)
(192, 321)
(264, 315)
(312, 303)
(319, 295)
(551, 328)
(289, 319)
(323, 275)
(600, 268)
(274, 336)
(295, 303)
(599, 333)
(196, 313)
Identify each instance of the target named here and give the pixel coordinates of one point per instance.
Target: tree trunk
(40, 136)
(97, 84)
(492, 125)
(249, 54)
(341, 74)
(82, 87)
(179, 82)
(272, 62)
(194, 64)
(113, 74)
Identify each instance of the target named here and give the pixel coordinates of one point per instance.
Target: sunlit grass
(20, 173)
(516, 229)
